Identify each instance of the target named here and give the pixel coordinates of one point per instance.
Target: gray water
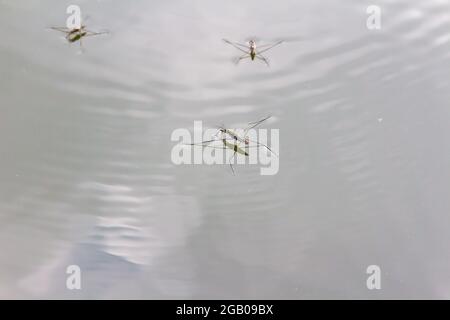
(86, 176)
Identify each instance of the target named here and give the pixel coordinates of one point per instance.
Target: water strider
(245, 139)
(252, 51)
(231, 140)
(76, 34)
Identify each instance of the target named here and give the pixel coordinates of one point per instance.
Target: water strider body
(234, 147)
(252, 51)
(76, 34)
(252, 47)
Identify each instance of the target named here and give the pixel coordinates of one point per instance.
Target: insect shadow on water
(252, 51)
(231, 140)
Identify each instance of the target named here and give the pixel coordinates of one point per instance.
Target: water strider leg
(270, 47)
(236, 45)
(230, 162)
(260, 57)
(242, 58)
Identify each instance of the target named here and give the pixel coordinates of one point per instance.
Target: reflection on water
(86, 176)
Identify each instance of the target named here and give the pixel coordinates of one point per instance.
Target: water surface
(86, 176)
